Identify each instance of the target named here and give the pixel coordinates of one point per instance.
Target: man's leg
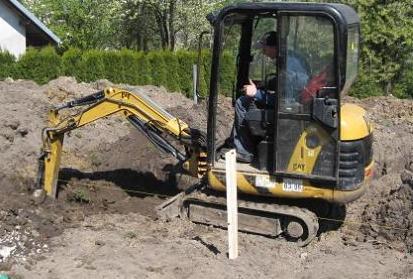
(241, 136)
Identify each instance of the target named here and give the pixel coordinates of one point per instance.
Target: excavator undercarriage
(255, 215)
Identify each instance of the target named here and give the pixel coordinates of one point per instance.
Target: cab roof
(345, 14)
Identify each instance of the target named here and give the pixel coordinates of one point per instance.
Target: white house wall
(12, 32)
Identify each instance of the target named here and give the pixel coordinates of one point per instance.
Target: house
(19, 29)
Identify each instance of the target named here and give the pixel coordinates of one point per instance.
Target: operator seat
(260, 122)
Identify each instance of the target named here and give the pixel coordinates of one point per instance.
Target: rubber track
(308, 217)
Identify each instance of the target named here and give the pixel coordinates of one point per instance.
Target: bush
(7, 62)
(92, 66)
(158, 68)
(171, 62)
(130, 68)
(186, 60)
(404, 88)
(39, 65)
(206, 59)
(161, 68)
(366, 86)
(71, 60)
(144, 69)
(227, 74)
(113, 67)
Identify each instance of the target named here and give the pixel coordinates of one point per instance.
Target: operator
(297, 76)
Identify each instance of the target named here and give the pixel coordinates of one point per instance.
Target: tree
(81, 23)
(387, 26)
(164, 24)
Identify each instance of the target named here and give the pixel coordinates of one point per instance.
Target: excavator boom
(144, 114)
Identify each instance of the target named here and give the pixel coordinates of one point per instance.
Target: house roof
(36, 32)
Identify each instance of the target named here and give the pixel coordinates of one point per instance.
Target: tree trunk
(172, 9)
(165, 29)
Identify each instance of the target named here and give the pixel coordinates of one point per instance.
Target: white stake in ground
(194, 82)
(232, 203)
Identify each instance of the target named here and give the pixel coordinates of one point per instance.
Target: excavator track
(281, 222)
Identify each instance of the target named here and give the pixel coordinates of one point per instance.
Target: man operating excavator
(297, 77)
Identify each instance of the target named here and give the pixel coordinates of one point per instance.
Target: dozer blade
(295, 224)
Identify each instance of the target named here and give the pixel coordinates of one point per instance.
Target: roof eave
(31, 17)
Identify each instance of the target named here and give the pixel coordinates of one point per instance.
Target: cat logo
(299, 167)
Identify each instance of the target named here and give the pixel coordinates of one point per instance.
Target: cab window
(308, 66)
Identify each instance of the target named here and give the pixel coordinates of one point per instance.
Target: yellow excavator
(309, 150)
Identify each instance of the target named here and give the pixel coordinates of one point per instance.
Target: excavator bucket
(49, 161)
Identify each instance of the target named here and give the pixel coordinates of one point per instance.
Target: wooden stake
(194, 82)
(232, 204)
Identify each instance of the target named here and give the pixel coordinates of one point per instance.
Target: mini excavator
(310, 148)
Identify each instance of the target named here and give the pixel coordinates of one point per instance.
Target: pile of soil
(110, 169)
(383, 215)
(392, 218)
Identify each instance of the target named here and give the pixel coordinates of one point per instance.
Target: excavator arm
(144, 114)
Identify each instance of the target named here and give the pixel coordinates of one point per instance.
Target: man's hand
(250, 89)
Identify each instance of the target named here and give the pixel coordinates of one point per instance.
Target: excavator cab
(308, 144)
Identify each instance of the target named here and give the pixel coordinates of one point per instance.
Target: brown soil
(104, 225)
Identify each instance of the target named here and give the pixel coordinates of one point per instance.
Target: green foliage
(227, 74)
(404, 89)
(129, 68)
(171, 62)
(39, 65)
(167, 24)
(161, 68)
(158, 68)
(71, 60)
(92, 66)
(387, 43)
(83, 24)
(366, 86)
(139, 24)
(113, 67)
(186, 61)
(205, 73)
(7, 62)
(145, 70)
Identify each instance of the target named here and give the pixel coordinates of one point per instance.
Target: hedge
(173, 70)
(7, 62)
(39, 65)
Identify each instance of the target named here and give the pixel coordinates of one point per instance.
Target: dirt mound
(392, 218)
(384, 212)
